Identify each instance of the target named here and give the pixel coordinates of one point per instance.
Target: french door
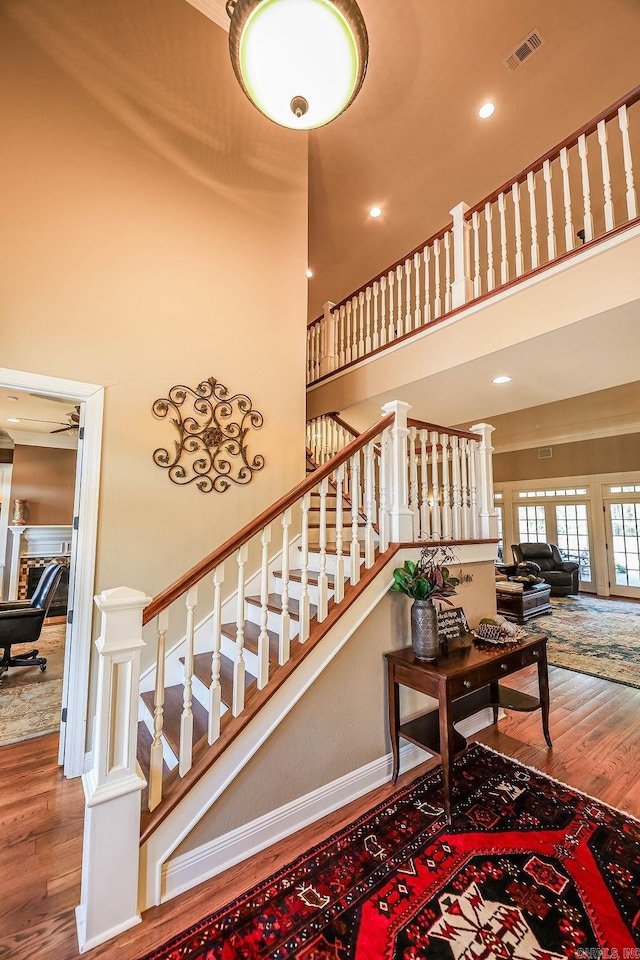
(559, 519)
(622, 520)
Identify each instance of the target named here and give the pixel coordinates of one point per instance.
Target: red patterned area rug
(529, 870)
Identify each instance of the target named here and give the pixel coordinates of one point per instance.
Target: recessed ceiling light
(13, 399)
(501, 380)
(486, 110)
(375, 212)
(13, 420)
(309, 274)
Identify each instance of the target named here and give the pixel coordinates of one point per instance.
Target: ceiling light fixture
(375, 212)
(501, 380)
(13, 420)
(309, 274)
(486, 111)
(300, 62)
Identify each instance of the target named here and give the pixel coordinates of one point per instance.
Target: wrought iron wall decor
(211, 449)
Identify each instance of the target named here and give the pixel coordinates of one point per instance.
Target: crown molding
(214, 10)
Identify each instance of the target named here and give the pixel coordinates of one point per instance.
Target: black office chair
(21, 621)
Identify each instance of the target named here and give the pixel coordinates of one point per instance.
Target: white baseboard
(188, 870)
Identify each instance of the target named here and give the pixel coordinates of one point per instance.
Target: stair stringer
(157, 849)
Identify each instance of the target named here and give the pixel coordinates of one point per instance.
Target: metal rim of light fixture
(239, 12)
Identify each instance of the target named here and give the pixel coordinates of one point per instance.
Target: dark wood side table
(463, 681)
(524, 604)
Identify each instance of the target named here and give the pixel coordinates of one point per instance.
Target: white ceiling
(38, 417)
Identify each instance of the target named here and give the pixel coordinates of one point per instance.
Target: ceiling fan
(74, 421)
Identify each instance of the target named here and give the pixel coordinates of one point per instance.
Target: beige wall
(605, 455)
(340, 724)
(154, 233)
(45, 477)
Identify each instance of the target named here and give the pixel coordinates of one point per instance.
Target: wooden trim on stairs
(201, 569)
(205, 755)
(438, 428)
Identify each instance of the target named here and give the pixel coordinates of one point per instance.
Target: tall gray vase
(424, 630)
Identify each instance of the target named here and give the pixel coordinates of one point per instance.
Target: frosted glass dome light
(301, 62)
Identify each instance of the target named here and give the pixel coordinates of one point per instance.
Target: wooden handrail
(201, 569)
(425, 243)
(343, 423)
(629, 99)
(422, 425)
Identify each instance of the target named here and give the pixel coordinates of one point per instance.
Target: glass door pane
(624, 548)
(532, 526)
(572, 536)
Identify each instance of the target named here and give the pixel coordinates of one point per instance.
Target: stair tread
(251, 635)
(312, 577)
(173, 700)
(202, 670)
(274, 604)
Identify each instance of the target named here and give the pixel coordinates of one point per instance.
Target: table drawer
(495, 669)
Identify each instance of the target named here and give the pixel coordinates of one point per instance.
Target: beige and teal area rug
(30, 700)
(589, 635)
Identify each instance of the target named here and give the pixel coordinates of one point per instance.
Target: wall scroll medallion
(211, 448)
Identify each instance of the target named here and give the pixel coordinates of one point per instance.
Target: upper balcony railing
(576, 194)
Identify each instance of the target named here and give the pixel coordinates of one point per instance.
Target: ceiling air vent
(524, 50)
(545, 453)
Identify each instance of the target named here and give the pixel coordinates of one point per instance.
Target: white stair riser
(254, 614)
(314, 561)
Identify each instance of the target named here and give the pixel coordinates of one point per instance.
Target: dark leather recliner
(563, 576)
(21, 621)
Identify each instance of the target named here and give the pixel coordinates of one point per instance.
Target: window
(531, 524)
(500, 538)
(625, 529)
(572, 530)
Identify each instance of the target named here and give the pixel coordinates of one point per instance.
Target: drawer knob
(466, 683)
(504, 666)
(536, 654)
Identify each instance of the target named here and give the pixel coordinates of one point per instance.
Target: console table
(464, 670)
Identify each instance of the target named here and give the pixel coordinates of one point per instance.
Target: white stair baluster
(303, 635)
(456, 493)
(367, 340)
(477, 280)
(504, 260)
(400, 320)
(446, 488)
(447, 271)
(323, 587)
(586, 189)
(533, 217)
(417, 291)
(383, 505)
(338, 590)
(566, 193)
(551, 234)
(464, 486)
(425, 530)
(437, 303)
(407, 296)
(383, 304)
(284, 648)
(369, 506)
(391, 332)
(186, 720)
(515, 195)
(354, 551)
(436, 527)
(491, 274)
(375, 340)
(426, 309)
(239, 665)
(623, 122)
(341, 336)
(263, 636)
(156, 758)
(349, 354)
(358, 304)
(413, 482)
(215, 699)
(473, 490)
(609, 216)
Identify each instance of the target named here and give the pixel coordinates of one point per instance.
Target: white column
(462, 286)
(484, 477)
(111, 845)
(328, 357)
(400, 516)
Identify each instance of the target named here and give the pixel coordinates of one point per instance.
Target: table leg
(394, 722)
(494, 690)
(446, 752)
(543, 684)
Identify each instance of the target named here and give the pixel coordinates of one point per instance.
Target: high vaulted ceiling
(412, 142)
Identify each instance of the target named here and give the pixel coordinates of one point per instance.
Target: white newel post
(486, 510)
(462, 286)
(328, 356)
(400, 526)
(110, 854)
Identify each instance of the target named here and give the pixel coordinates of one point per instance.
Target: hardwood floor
(595, 726)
